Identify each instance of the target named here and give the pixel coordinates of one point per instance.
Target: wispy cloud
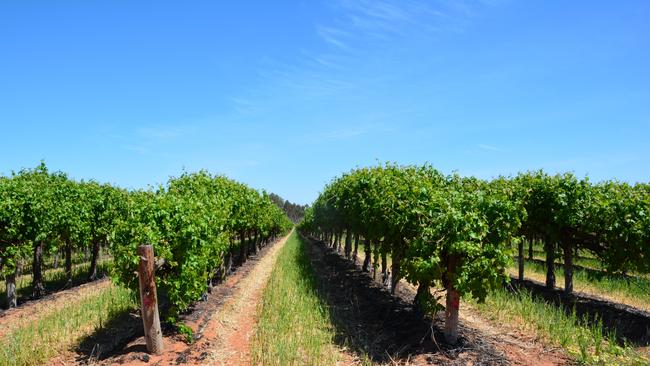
(307, 82)
(391, 16)
(357, 55)
(242, 105)
(333, 36)
(330, 61)
(361, 21)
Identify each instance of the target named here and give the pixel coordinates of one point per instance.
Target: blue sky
(284, 95)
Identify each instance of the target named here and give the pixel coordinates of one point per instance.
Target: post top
(145, 248)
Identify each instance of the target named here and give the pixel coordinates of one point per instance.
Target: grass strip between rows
(39, 340)
(294, 325)
(587, 344)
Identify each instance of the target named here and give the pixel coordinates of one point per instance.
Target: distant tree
(294, 211)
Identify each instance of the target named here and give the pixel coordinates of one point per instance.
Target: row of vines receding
(197, 223)
(458, 232)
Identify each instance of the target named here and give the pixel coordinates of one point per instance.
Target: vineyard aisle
(234, 326)
(223, 325)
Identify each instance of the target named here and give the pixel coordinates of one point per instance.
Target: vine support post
(520, 247)
(11, 289)
(149, 300)
(68, 263)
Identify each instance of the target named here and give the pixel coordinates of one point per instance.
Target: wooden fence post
(149, 300)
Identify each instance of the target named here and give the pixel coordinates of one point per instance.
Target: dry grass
(52, 332)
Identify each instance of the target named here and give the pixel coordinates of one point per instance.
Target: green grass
(587, 344)
(587, 262)
(584, 259)
(294, 325)
(39, 340)
(634, 291)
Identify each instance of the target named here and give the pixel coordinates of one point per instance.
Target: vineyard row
(457, 232)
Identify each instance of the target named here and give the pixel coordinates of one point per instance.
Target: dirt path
(223, 324)
(520, 348)
(237, 321)
(13, 318)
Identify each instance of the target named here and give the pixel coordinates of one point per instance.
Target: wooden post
(11, 289)
(149, 300)
(520, 248)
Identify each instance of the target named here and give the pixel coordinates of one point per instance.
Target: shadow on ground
(630, 324)
(113, 335)
(372, 323)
